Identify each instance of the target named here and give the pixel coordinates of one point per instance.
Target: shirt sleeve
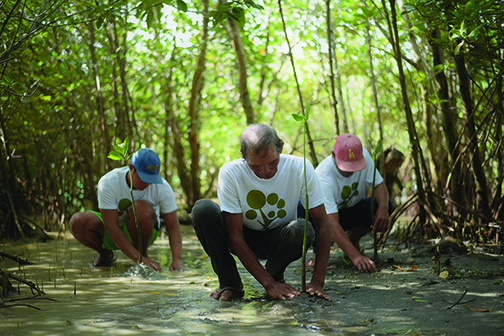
(166, 198)
(107, 199)
(370, 167)
(227, 192)
(316, 195)
(330, 197)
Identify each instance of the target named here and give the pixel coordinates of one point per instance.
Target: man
(256, 220)
(114, 226)
(344, 176)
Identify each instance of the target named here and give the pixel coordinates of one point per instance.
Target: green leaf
(307, 114)
(378, 148)
(458, 47)
(126, 144)
(116, 156)
(298, 117)
(182, 6)
(238, 12)
(99, 22)
(224, 7)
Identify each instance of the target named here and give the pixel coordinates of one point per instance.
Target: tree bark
(197, 85)
(332, 98)
(99, 97)
(449, 122)
(415, 146)
(477, 162)
(241, 61)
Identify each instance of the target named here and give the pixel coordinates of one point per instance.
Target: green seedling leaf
(298, 117)
(307, 114)
(125, 143)
(116, 156)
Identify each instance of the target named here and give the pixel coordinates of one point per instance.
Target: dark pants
(358, 215)
(279, 246)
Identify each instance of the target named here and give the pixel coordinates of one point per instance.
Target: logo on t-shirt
(124, 204)
(257, 200)
(347, 193)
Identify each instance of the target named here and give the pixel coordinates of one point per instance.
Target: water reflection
(125, 299)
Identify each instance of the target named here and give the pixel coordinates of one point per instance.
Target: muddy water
(128, 300)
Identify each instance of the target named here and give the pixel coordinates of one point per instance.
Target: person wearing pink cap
(113, 227)
(344, 176)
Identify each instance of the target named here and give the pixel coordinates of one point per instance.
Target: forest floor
(390, 301)
(469, 300)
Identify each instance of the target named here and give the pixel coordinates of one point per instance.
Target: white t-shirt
(267, 203)
(344, 192)
(114, 193)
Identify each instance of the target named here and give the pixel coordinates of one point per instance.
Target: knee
(76, 223)
(296, 231)
(203, 210)
(145, 213)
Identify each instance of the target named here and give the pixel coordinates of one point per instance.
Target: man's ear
(132, 168)
(281, 147)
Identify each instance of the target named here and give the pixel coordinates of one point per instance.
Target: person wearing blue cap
(114, 226)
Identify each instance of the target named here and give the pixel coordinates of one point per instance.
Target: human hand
(381, 223)
(317, 290)
(282, 291)
(177, 265)
(363, 263)
(152, 264)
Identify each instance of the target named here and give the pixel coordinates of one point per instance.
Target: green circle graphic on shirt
(271, 214)
(346, 192)
(272, 199)
(282, 213)
(251, 214)
(281, 204)
(124, 204)
(256, 199)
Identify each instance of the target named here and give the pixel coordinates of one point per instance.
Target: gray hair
(255, 138)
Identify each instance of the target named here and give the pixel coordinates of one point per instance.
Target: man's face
(342, 172)
(265, 164)
(138, 184)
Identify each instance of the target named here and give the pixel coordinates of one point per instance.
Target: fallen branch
(20, 261)
(458, 301)
(26, 282)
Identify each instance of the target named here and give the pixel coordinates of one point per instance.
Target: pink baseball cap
(348, 153)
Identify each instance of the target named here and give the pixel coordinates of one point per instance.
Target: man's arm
(234, 229)
(111, 221)
(381, 223)
(175, 236)
(323, 245)
(363, 263)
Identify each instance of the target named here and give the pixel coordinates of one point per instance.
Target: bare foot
(227, 293)
(104, 258)
(311, 262)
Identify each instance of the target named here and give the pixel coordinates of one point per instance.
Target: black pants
(279, 246)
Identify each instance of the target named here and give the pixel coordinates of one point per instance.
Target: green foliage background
(75, 76)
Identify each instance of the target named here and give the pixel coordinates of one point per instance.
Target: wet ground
(126, 300)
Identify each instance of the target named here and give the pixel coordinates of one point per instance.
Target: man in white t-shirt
(344, 176)
(114, 226)
(257, 218)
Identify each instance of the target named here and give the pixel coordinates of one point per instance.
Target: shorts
(108, 242)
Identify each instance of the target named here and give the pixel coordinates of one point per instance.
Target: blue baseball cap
(147, 165)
